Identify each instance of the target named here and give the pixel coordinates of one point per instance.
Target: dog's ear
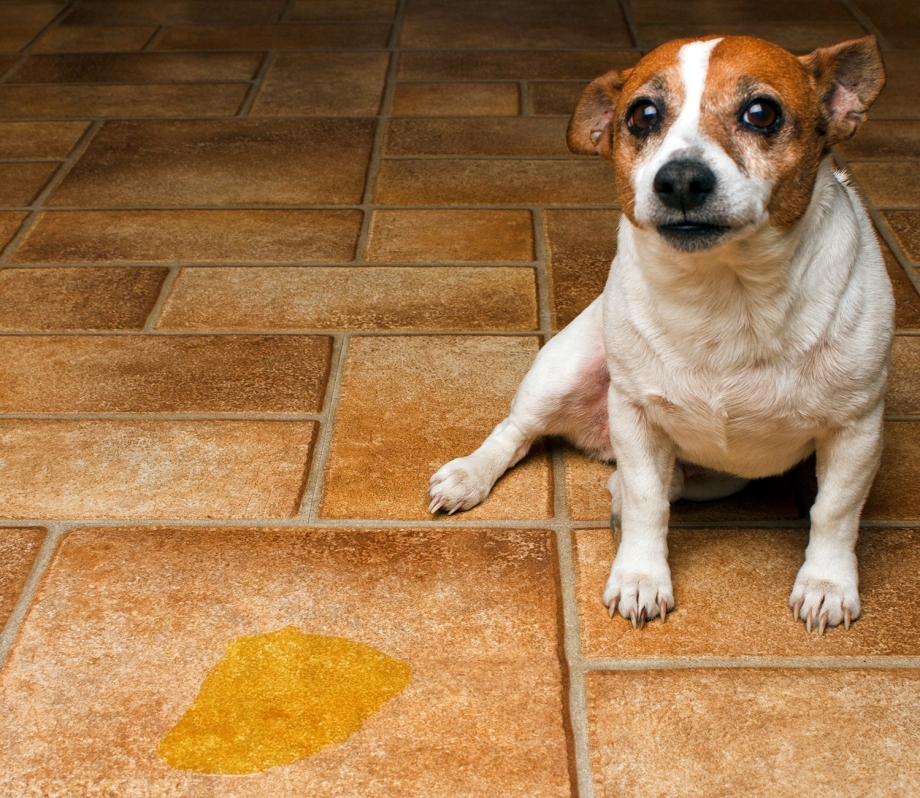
(849, 76)
(589, 124)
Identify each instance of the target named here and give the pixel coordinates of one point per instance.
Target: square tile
(174, 12)
(19, 546)
(450, 236)
(893, 496)
(410, 404)
(904, 377)
(455, 99)
(352, 298)
(578, 64)
(509, 136)
(94, 38)
(888, 184)
(153, 469)
(21, 183)
(39, 140)
(273, 37)
(138, 617)
(221, 162)
(284, 374)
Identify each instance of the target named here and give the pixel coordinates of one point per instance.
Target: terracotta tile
(78, 298)
(740, 12)
(175, 12)
(577, 64)
(22, 20)
(82, 102)
(894, 495)
(352, 298)
(455, 99)
(481, 23)
(731, 588)
(94, 38)
(18, 550)
(21, 183)
(448, 236)
(905, 225)
(273, 37)
(510, 136)
(888, 184)
(27, 140)
(410, 404)
(353, 10)
(323, 84)
(163, 374)
(906, 300)
(139, 617)
(153, 469)
(272, 236)
(884, 138)
(749, 732)
(225, 162)
(901, 95)
(10, 222)
(137, 68)
(556, 98)
(896, 20)
(495, 182)
(800, 38)
(580, 246)
(904, 377)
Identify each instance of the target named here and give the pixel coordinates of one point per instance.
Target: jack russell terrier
(747, 320)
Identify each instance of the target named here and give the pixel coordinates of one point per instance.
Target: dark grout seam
(257, 83)
(867, 23)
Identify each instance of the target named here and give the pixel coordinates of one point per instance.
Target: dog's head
(715, 136)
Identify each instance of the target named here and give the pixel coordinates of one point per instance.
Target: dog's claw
(663, 607)
(797, 608)
(808, 619)
(612, 607)
(822, 624)
(643, 617)
(847, 619)
(632, 618)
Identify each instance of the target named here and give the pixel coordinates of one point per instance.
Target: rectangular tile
(153, 469)
(175, 12)
(94, 38)
(494, 182)
(894, 496)
(731, 592)
(163, 374)
(557, 98)
(455, 99)
(352, 298)
(802, 37)
(251, 236)
(511, 136)
(450, 236)
(884, 138)
(128, 622)
(905, 225)
(39, 140)
(352, 10)
(21, 183)
(904, 377)
(19, 547)
(780, 732)
(21, 21)
(888, 184)
(323, 84)
(222, 162)
(579, 64)
(78, 298)
(901, 96)
(273, 37)
(410, 404)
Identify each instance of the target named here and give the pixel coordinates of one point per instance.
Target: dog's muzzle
(687, 186)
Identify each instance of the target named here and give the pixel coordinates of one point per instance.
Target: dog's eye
(642, 117)
(762, 114)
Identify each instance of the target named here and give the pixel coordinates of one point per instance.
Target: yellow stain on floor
(279, 697)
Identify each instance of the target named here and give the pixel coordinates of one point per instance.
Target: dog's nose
(684, 185)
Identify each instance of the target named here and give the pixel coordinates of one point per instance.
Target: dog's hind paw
(457, 486)
(824, 602)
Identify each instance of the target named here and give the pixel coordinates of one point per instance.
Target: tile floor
(265, 265)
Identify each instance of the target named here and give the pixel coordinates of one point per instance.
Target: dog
(747, 319)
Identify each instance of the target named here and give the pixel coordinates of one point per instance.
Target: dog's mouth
(692, 236)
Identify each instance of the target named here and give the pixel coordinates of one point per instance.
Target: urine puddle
(279, 697)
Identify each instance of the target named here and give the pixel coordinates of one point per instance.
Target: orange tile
(750, 731)
(273, 37)
(352, 298)
(39, 140)
(138, 617)
(94, 38)
(455, 99)
(510, 136)
(19, 547)
(578, 64)
(352, 10)
(799, 38)
(888, 184)
(904, 377)
(21, 183)
(78, 298)
(884, 138)
(495, 182)
(894, 495)
(448, 236)
(896, 20)
(21, 21)
(905, 225)
(323, 84)
(153, 469)
(175, 12)
(556, 98)
(163, 374)
(221, 162)
(410, 404)
(901, 96)
(272, 236)
(10, 222)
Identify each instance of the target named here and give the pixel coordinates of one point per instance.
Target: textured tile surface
(94, 38)
(456, 99)
(39, 140)
(175, 12)
(905, 225)
(19, 547)
(272, 37)
(578, 64)
(20, 183)
(884, 138)
(889, 184)
(10, 222)
(517, 136)
(892, 496)
(904, 377)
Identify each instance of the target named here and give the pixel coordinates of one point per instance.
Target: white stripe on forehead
(694, 64)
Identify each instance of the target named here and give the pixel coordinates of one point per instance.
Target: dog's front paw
(639, 596)
(826, 596)
(457, 485)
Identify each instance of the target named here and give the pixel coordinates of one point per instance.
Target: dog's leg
(563, 393)
(826, 590)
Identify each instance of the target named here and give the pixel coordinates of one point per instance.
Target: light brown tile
(410, 404)
(137, 68)
(323, 84)
(799, 38)
(510, 136)
(580, 64)
(163, 374)
(888, 184)
(731, 592)
(884, 138)
(906, 299)
(904, 377)
(905, 225)
(18, 549)
(448, 236)
(52, 299)
(273, 37)
(138, 617)
(580, 246)
(455, 99)
(783, 733)
(271, 236)
(83, 102)
(10, 222)
(222, 162)
(352, 10)
(21, 183)
(901, 95)
(22, 20)
(175, 12)
(894, 495)
(495, 182)
(481, 23)
(94, 38)
(741, 12)
(555, 99)
(896, 20)
(352, 298)
(153, 469)
(27, 140)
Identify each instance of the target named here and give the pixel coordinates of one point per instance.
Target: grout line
(544, 280)
(286, 12)
(152, 41)
(61, 15)
(626, 8)
(867, 23)
(523, 100)
(705, 663)
(257, 83)
(165, 291)
(213, 415)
